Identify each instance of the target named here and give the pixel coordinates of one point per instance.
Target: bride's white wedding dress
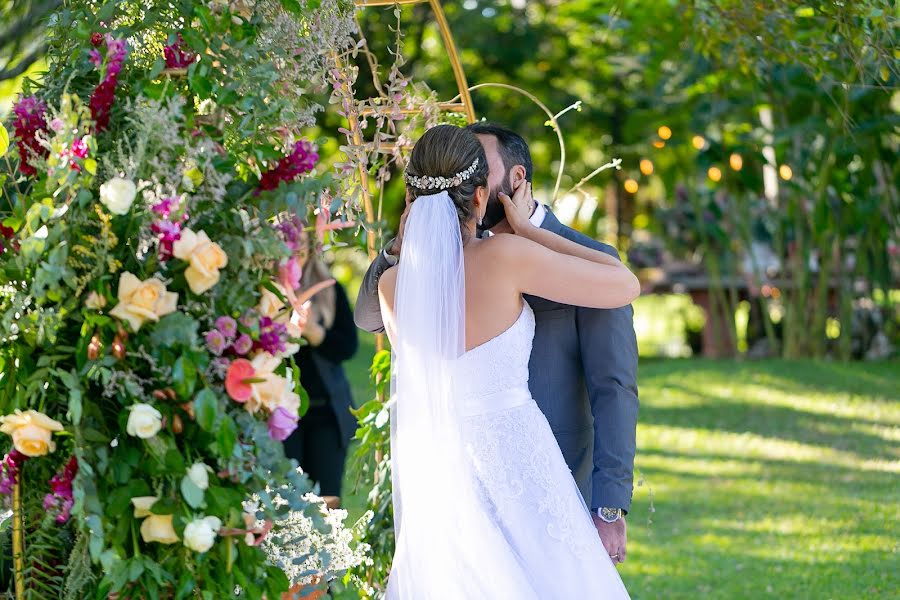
(485, 504)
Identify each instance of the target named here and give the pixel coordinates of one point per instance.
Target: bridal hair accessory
(440, 183)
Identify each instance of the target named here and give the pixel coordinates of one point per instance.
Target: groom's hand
(613, 537)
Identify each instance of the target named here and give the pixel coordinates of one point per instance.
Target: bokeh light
(631, 186)
(664, 132)
(786, 172)
(699, 142)
(715, 173)
(646, 167)
(736, 162)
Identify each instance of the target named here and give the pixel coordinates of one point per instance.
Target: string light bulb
(664, 132)
(699, 142)
(631, 186)
(736, 162)
(786, 172)
(714, 173)
(646, 167)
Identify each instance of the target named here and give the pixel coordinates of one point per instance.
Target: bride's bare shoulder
(505, 247)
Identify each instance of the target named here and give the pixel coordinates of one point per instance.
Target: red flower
(236, 380)
(176, 56)
(96, 39)
(105, 94)
(29, 121)
(302, 159)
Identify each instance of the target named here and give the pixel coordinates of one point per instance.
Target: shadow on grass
(738, 416)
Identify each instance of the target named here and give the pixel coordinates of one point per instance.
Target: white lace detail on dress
(515, 468)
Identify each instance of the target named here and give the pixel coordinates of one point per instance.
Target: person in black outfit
(320, 442)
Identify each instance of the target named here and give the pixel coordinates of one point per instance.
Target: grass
(769, 479)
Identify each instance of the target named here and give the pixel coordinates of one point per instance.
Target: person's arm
(341, 341)
(609, 357)
(547, 265)
(367, 314)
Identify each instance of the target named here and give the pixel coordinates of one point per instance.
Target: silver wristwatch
(609, 515)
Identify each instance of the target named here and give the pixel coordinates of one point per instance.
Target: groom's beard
(494, 211)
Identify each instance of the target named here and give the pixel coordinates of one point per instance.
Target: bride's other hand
(519, 208)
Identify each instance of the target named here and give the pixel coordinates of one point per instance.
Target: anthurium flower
(141, 301)
(238, 380)
(31, 431)
(206, 258)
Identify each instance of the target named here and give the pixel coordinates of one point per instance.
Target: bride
(484, 504)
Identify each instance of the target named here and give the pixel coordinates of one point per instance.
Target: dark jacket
(583, 375)
(321, 372)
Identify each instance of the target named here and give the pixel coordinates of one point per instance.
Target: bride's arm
(548, 265)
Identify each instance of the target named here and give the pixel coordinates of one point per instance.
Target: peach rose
(141, 301)
(159, 528)
(274, 390)
(206, 258)
(31, 431)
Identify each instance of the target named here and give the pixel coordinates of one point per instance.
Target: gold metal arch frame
(462, 103)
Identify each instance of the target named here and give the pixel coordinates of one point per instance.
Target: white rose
(199, 535)
(144, 421)
(199, 475)
(117, 194)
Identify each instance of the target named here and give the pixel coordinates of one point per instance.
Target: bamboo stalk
(18, 540)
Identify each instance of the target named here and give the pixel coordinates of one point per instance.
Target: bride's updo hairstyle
(445, 158)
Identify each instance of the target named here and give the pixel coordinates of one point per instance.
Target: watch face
(609, 514)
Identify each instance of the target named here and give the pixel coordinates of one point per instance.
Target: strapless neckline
(500, 335)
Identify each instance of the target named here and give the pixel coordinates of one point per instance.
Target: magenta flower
(168, 233)
(282, 424)
(105, 94)
(165, 207)
(95, 57)
(215, 342)
(227, 326)
(243, 344)
(61, 499)
(29, 112)
(272, 336)
(176, 56)
(9, 471)
(302, 159)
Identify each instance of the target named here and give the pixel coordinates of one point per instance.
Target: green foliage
(196, 138)
(372, 468)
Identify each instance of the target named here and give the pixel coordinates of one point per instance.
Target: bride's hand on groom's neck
(518, 209)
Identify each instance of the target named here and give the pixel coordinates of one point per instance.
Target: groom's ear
(516, 176)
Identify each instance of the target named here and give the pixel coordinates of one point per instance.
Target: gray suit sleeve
(609, 356)
(367, 314)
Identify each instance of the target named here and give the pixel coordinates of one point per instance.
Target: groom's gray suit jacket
(583, 375)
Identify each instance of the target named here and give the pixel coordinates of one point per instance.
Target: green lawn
(769, 479)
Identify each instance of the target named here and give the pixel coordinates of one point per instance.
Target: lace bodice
(498, 365)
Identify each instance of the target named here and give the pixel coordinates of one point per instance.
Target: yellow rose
(142, 506)
(158, 528)
(274, 390)
(141, 301)
(31, 431)
(206, 258)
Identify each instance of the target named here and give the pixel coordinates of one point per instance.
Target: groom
(583, 365)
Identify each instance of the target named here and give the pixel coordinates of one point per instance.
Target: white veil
(438, 505)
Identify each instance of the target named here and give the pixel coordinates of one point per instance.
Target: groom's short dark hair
(513, 147)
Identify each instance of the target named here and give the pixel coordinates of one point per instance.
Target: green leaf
(184, 376)
(158, 65)
(175, 329)
(206, 409)
(227, 437)
(191, 493)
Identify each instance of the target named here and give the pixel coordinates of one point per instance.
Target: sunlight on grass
(770, 479)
